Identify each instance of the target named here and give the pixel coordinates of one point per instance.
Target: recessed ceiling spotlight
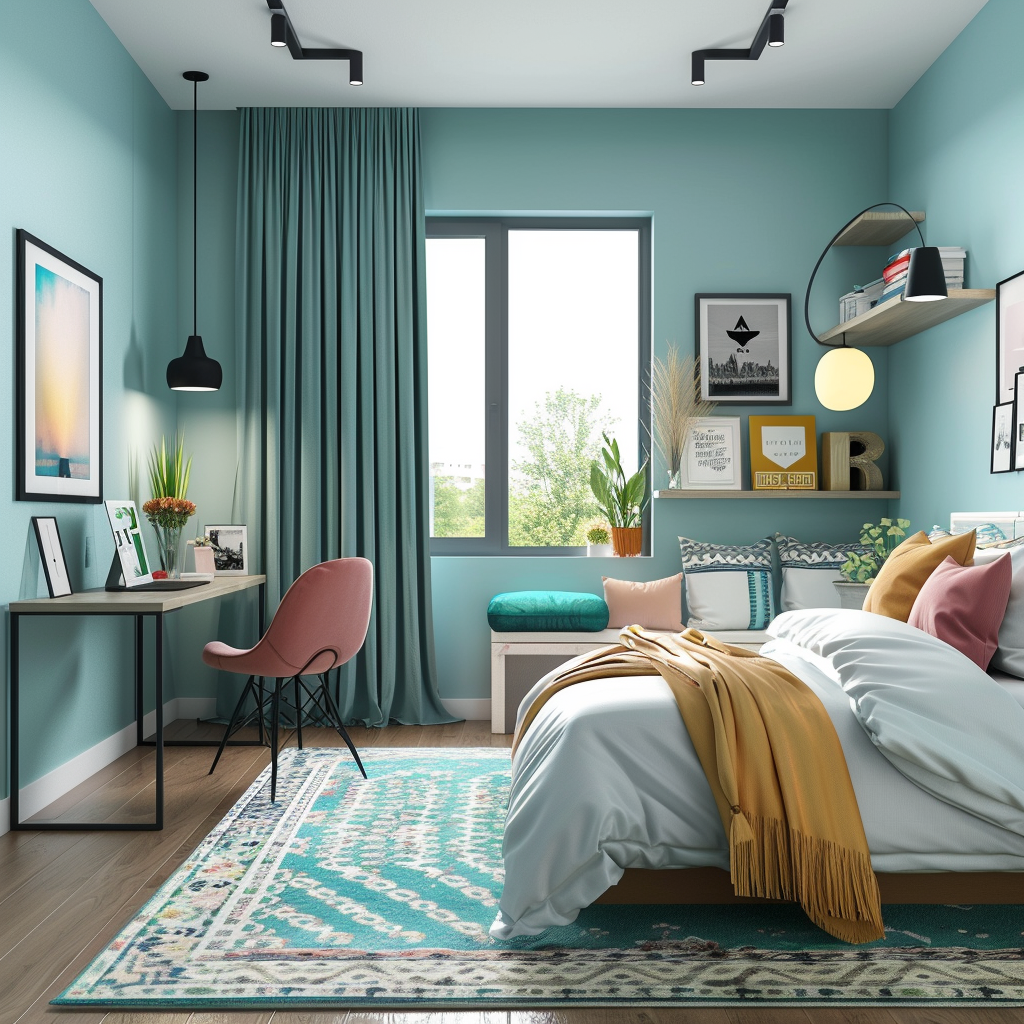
(771, 32)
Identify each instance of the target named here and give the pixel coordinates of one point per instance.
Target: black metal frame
(698, 57)
(158, 741)
(1000, 395)
(330, 712)
(300, 52)
(494, 231)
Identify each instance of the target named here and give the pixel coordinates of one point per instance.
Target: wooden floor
(64, 895)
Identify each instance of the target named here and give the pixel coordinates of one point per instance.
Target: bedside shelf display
(863, 495)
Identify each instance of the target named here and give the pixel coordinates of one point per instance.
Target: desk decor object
(783, 453)
(743, 348)
(51, 554)
(711, 455)
(59, 443)
(169, 509)
(675, 405)
(230, 549)
(848, 460)
(1009, 335)
(130, 547)
(1018, 420)
(1002, 438)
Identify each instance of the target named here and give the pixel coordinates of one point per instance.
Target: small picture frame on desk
(230, 549)
(1018, 420)
(1002, 438)
(51, 553)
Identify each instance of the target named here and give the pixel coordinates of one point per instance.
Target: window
(538, 336)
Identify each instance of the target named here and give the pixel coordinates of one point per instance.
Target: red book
(895, 268)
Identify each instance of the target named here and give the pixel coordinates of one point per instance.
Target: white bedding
(606, 777)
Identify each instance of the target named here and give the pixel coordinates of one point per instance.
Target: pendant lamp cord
(195, 198)
(807, 297)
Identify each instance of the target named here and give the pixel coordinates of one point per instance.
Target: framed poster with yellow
(783, 453)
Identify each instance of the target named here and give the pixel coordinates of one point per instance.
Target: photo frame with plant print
(743, 347)
(1002, 438)
(51, 554)
(59, 402)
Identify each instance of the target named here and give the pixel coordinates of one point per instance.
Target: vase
(675, 479)
(627, 540)
(599, 550)
(851, 595)
(170, 550)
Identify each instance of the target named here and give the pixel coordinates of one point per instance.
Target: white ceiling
(538, 53)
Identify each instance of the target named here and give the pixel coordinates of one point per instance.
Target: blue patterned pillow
(728, 586)
(810, 569)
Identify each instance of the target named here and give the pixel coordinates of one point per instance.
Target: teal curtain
(331, 320)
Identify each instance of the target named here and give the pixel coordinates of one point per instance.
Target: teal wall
(956, 151)
(741, 201)
(89, 166)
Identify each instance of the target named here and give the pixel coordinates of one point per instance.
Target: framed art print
(1009, 335)
(1002, 438)
(711, 455)
(130, 548)
(51, 554)
(743, 348)
(230, 550)
(1018, 420)
(59, 403)
(783, 453)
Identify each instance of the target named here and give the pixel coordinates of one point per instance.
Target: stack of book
(895, 274)
(860, 300)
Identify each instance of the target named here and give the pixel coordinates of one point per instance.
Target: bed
(609, 799)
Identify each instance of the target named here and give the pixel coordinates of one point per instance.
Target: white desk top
(124, 602)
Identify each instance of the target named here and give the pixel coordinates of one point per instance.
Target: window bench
(518, 660)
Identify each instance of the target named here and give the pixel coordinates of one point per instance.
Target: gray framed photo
(743, 348)
(1002, 438)
(230, 549)
(1018, 420)
(1009, 335)
(51, 554)
(59, 402)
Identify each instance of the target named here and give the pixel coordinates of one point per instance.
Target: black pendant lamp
(195, 370)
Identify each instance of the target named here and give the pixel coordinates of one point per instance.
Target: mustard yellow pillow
(905, 571)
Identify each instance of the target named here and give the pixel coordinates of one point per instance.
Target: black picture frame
(1018, 421)
(1002, 438)
(59, 376)
(763, 319)
(1009, 335)
(51, 554)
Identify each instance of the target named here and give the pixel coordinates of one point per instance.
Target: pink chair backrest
(328, 606)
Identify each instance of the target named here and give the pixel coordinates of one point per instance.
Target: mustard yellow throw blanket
(775, 766)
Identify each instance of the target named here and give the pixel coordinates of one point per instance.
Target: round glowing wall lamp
(845, 376)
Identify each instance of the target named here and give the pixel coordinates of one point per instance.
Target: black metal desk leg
(159, 623)
(15, 669)
(139, 705)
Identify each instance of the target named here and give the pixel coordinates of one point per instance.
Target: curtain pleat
(330, 299)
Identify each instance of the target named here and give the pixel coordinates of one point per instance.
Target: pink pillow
(654, 605)
(964, 605)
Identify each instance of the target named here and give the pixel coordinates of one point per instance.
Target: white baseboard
(473, 709)
(52, 786)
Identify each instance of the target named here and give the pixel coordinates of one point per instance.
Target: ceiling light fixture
(845, 377)
(771, 32)
(195, 370)
(282, 33)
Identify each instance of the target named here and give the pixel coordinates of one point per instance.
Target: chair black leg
(298, 712)
(260, 710)
(341, 729)
(234, 718)
(275, 719)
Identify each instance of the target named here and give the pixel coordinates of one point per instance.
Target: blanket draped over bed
(774, 764)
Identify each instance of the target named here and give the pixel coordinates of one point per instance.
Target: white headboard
(992, 527)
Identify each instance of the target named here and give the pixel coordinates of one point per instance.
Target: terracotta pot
(627, 540)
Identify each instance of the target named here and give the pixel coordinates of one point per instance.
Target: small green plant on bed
(621, 500)
(882, 540)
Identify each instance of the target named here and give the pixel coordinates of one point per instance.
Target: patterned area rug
(380, 893)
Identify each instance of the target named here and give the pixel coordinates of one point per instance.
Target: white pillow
(809, 570)
(1009, 656)
(728, 586)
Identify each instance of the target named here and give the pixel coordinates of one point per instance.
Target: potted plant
(622, 501)
(168, 510)
(599, 537)
(861, 567)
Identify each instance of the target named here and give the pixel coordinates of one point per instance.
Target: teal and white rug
(348, 892)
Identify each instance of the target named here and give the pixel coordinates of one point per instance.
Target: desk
(154, 603)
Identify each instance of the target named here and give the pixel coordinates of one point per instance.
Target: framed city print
(1009, 336)
(51, 554)
(1002, 438)
(783, 453)
(1018, 420)
(59, 401)
(711, 455)
(230, 550)
(743, 348)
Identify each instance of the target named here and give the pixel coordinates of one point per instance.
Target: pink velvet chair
(320, 624)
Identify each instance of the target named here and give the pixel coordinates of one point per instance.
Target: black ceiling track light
(771, 32)
(282, 33)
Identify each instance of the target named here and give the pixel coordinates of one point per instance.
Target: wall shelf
(863, 495)
(894, 320)
(878, 228)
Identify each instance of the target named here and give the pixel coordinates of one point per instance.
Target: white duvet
(606, 777)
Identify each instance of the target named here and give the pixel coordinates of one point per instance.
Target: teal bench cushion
(541, 611)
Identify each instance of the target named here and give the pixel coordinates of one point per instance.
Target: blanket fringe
(835, 885)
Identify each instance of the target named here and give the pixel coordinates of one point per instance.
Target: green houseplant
(169, 510)
(599, 537)
(622, 500)
(861, 567)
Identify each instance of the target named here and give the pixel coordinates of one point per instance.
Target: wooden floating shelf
(878, 228)
(863, 495)
(894, 319)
